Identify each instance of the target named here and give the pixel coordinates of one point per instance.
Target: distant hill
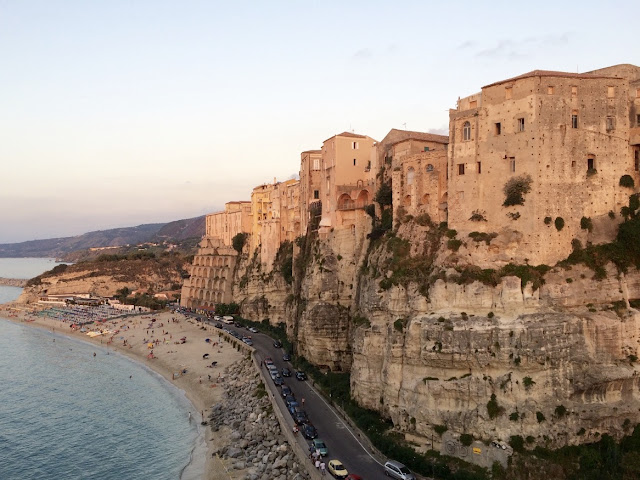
(153, 232)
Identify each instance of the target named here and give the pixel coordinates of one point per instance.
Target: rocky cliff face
(428, 344)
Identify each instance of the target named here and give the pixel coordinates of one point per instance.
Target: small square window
(611, 124)
(574, 120)
(354, 162)
(574, 91)
(316, 194)
(573, 163)
(591, 163)
(512, 165)
(521, 124)
(354, 145)
(479, 167)
(426, 149)
(508, 92)
(549, 90)
(461, 169)
(611, 92)
(497, 128)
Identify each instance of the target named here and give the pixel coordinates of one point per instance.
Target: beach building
(565, 139)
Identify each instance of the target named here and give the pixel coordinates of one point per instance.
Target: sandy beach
(158, 345)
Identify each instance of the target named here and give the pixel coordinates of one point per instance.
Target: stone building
(565, 137)
(346, 183)
(234, 219)
(211, 275)
(418, 164)
(276, 218)
(310, 185)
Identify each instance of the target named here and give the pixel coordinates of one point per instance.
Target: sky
(124, 112)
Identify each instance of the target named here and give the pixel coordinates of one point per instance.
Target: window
(316, 194)
(574, 119)
(549, 90)
(512, 164)
(429, 168)
(573, 163)
(410, 174)
(574, 91)
(637, 92)
(521, 124)
(638, 120)
(354, 145)
(473, 104)
(636, 160)
(508, 92)
(611, 92)
(479, 167)
(497, 128)
(461, 169)
(591, 163)
(426, 149)
(611, 124)
(466, 131)
(316, 164)
(354, 162)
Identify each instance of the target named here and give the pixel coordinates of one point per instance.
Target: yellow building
(225, 225)
(310, 185)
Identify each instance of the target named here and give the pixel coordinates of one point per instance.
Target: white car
(253, 329)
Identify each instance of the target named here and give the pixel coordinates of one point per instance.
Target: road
(343, 444)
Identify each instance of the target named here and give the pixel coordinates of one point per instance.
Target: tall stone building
(346, 183)
(310, 186)
(213, 265)
(565, 137)
(418, 164)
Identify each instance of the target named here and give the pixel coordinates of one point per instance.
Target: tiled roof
(346, 134)
(549, 73)
(403, 135)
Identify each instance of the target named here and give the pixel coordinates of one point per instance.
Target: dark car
(286, 372)
(300, 416)
(219, 325)
(268, 361)
(292, 407)
(277, 344)
(286, 357)
(353, 476)
(285, 391)
(300, 375)
(309, 431)
(278, 381)
(289, 399)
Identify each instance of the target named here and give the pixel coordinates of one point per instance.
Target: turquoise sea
(67, 414)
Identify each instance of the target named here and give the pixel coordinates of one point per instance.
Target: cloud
(519, 49)
(467, 44)
(362, 54)
(443, 130)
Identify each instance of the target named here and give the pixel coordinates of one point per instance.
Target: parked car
(309, 432)
(253, 329)
(285, 391)
(353, 476)
(219, 325)
(286, 372)
(300, 375)
(286, 357)
(275, 374)
(277, 344)
(289, 399)
(398, 470)
(272, 369)
(300, 416)
(336, 469)
(278, 381)
(247, 340)
(292, 407)
(268, 361)
(319, 445)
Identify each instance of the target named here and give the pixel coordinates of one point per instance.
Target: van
(397, 470)
(228, 319)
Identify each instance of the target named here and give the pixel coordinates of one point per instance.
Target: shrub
(548, 220)
(514, 416)
(627, 181)
(515, 189)
(384, 195)
(238, 241)
(586, 224)
(466, 439)
(493, 409)
(528, 382)
(370, 210)
(451, 233)
(399, 324)
(423, 220)
(513, 215)
(517, 443)
(360, 320)
(581, 432)
(530, 439)
(560, 411)
(540, 417)
(559, 223)
(478, 216)
(440, 429)
(490, 315)
(454, 244)
(612, 214)
(591, 172)
(483, 237)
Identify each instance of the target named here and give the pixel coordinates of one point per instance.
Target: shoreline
(183, 365)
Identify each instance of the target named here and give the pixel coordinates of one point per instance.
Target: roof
(550, 73)
(346, 134)
(312, 151)
(403, 135)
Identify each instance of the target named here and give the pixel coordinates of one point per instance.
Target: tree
(384, 195)
(238, 241)
(515, 189)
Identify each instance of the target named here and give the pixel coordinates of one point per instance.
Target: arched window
(429, 168)
(410, 174)
(466, 131)
(425, 199)
(407, 201)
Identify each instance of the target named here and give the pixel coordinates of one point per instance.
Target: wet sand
(182, 364)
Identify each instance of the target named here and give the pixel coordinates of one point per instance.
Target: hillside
(59, 247)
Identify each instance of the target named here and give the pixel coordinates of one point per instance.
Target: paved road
(342, 442)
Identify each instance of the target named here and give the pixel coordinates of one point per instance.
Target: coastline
(200, 382)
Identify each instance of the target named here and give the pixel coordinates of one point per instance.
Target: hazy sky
(117, 113)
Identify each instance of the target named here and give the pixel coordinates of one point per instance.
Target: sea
(67, 414)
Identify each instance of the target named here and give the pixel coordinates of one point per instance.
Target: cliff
(431, 340)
